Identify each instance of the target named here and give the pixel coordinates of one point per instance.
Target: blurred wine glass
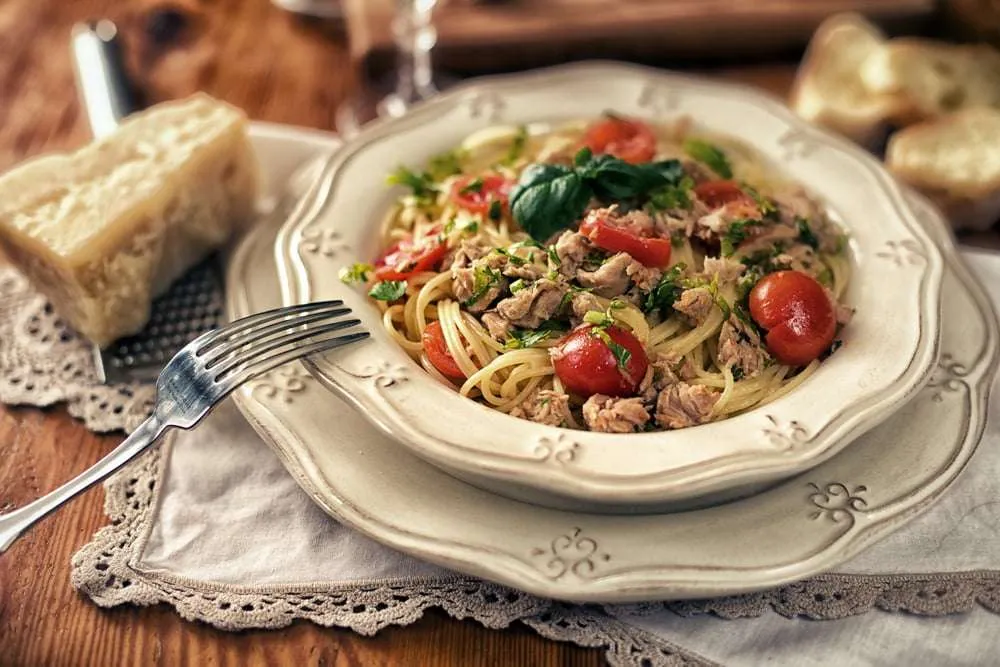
(413, 78)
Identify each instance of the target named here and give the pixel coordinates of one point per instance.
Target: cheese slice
(104, 230)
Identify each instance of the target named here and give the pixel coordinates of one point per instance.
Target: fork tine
(245, 324)
(262, 333)
(239, 374)
(260, 353)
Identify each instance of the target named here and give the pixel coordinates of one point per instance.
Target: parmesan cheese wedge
(104, 230)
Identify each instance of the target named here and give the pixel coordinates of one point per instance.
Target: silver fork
(196, 379)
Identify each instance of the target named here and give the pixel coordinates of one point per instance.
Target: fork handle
(14, 524)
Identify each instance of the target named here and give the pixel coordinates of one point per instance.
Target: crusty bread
(828, 89)
(955, 160)
(928, 79)
(105, 229)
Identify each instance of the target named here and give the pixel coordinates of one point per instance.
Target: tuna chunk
(671, 368)
(610, 279)
(682, 405)
(464, 287)
(498, 327)
(545, 407)
(584, 302)
(614, 415)
(695, 304)
(571, 249)
(467, 252)
(642, 276)
(728, 270)
(533, 305)
(740, 348)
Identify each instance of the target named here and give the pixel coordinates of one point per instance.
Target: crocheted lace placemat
(193, 524)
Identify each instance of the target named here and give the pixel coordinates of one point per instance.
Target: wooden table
(278, 69)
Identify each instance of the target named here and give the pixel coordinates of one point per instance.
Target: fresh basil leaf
(388, 290)
(583, 156)
(548, 198)
(806, 234)
(356, 273)
(711, 155)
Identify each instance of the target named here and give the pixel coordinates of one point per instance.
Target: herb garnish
(806, 234)
(446, 164)
(767, 207)
(474, 186)
(522, 338)
(550, 197)
(388, 290)
(710, 155)
(621, 354)
(484, 279)
(516, 146)
(421, 183)
(496, 210)
(735, 235)
(671, 197)
(355, 273)
(667, 290)
(517, 286)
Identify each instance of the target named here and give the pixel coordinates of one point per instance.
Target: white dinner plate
(805, 525)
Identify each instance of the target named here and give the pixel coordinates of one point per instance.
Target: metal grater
(194, 303)
(192, 306)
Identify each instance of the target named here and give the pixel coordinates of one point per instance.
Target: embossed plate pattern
(882, 362)
(806, 525)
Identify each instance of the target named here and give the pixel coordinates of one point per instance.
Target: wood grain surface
(278, 69)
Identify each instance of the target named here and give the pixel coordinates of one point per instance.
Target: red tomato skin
(586, 366)
(495, 188)
(627, 139)
(797, 315)
(650, 251)
(436, 349)
(405, 258)
(720, 193)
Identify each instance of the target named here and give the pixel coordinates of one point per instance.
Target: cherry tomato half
(797, 315)
(401, 260)
(587, 365)
(437, 351)
(720, 193)
(478, 194)
(628, 139)
(650, 251)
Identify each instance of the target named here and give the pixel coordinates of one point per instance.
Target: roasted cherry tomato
(407, 257)
(436, 348)
(651, 251)
(588, 365)
(797, 315)
(720, 193)
(630, 140)
(478, 194)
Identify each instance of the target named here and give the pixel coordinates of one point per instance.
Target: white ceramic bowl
(889, 348)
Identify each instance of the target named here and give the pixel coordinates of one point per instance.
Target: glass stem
(413, 31)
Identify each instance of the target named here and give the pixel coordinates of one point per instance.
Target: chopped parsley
(496, 210)
(522, 338)
(516, 146)
(474, 186)
(735, 235)
(553, 255)
(671, 197)
(667, 290)
(444, 165)
(388, 290)
(422, 184)
(355, 273)
(710, 155)
(513, 259)
(621, 354)
(517, 286)
(806, 234)
(767, 207)
(485, 278)
(598, 319)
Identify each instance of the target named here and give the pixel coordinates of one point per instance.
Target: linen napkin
(213, 525)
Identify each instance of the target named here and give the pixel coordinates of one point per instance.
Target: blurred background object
(974, 20)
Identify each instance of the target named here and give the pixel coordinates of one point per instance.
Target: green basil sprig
(551, 197)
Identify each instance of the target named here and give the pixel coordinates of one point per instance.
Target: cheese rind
(104, 230)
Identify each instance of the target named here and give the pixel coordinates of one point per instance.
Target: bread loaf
(828, 89)
(928, 79)
(955, 160)
(104, 230)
